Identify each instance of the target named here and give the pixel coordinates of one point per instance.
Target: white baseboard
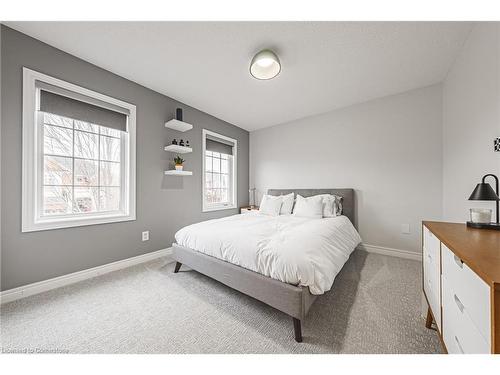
(390, 251)
(57, 282)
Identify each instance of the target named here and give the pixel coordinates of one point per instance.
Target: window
(78, 156)
(219, 171)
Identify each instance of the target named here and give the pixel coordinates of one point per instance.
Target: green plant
(178, 160)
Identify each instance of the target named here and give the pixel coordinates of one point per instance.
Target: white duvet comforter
(295, 250)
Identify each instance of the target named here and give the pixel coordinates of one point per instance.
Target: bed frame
(290, 299)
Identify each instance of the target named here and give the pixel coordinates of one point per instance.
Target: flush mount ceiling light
(265, 65)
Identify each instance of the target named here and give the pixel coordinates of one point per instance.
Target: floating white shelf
(174, 172)
(180, 126)
(178, 149)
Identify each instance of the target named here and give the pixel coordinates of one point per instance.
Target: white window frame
(32, 172)
(207, 207)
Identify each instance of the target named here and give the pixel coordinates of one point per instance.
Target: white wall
(471, 121)
(388, 149)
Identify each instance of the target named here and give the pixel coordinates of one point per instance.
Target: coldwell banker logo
(34, 351)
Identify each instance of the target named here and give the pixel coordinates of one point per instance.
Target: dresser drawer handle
(459, 345)
(459, 303)
(458, 261)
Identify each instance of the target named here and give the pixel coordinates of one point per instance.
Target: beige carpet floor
(373, 307)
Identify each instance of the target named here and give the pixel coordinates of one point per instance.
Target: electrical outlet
(405, 228)
(145, 235)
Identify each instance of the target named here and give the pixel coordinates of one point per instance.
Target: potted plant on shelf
(178, 163)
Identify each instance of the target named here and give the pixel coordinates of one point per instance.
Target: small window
(78, 156)
(219, 171)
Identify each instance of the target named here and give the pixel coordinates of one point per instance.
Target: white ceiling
(325, 65)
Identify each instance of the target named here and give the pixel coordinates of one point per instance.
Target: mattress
(295, 250)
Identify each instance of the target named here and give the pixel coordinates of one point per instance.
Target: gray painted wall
(388, 150)
(471, 120)
(164, 204)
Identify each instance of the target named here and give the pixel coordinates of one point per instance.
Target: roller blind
(219, 146)
(80, 107)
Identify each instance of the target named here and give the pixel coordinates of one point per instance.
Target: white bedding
(295, 250)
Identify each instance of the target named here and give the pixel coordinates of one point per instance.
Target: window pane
(224, 196)
(57, 200)
(85, 172)
(109, 199)
(224, 156)
(110, 174)
(216, 164)
(110, 149)
(86, 199)
(57, 170)
(208, 153)
(110, 132)
(216, 180)
(216, 195)
(57, 141)
(86, 145)
(208, 180)
(49, 118)
(224, 182)
(224, 166)
(208, 164)
(209, 195)
(82, 125)
(216, 154)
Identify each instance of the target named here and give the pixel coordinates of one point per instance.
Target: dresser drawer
(471, 292)
(431, 243)
(460, 334)
(431, 283)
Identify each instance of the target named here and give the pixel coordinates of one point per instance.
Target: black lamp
(484, 192)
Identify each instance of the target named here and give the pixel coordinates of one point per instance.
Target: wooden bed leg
(298, 330)
(177, 267)
(428, 321)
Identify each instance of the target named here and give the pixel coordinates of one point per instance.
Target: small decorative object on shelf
(252, 197)
(178, 163)
(174, 142)
(187, 143)
(181, 143)
(480, 215)
(484, 192)
(178, 114)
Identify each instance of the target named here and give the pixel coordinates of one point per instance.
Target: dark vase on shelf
(174, 142)
(187, 143)
(178, 114)
(181, 143)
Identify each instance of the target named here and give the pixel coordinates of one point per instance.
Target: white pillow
(311, 207)
(328, 205)
(286, 207)
(270, 205)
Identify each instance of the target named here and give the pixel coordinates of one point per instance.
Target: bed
(246, 252)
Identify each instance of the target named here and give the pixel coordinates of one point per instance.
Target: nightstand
(248, 209)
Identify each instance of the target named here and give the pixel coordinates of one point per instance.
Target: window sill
(218, 208)
(59, 223)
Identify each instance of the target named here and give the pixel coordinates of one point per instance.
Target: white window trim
(31, 156)
(218, 207)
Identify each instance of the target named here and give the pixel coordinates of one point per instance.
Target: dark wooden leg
(298, 330)
(428, 321)
(177, 267)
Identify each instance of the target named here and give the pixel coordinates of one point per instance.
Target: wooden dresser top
(478, 248)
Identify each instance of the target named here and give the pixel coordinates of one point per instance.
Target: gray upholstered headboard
(348, 203)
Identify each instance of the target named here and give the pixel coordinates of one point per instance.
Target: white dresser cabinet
(461, 284)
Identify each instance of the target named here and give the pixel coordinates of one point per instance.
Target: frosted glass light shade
(265, 65)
